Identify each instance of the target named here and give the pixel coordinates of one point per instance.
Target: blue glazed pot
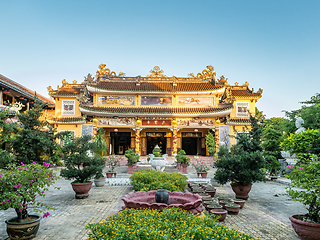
(162, 196)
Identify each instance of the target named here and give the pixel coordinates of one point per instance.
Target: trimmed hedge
(148, 179)
(171, 223)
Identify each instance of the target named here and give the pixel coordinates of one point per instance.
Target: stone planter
(241, 191)
(99, 182)
(81, 189)
(212, 207)
(305, 230)
(23, 230)
(221, 214)
(158, 163)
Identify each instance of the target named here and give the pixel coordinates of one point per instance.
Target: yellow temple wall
(58, 108)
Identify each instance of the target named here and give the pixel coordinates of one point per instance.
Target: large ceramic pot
(240, 202)
(99, 182)
(162, 196)
(232, 208)
(241, 191)
(130, 168)
(305, 230)
(81, 189)
(184, 168)
(23, 230)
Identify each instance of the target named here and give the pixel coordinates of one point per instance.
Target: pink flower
(19, 204)
(22, 164)
(300, 168)
(46, 164)
(1, 175)
(20, 209)
(42, 192)
(32, 200)
(33, 163)
(19, 195)
(19, 185)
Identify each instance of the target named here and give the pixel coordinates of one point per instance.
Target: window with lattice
(68, 107)
(242, 109)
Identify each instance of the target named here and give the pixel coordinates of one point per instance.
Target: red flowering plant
(20, 185)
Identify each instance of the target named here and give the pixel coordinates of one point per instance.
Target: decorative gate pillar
(174, 140)
(137, 147)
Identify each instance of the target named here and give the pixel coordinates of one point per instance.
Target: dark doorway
(120, 142)
(191, 143)
(154, 139)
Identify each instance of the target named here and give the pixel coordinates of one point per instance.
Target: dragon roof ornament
(156, 72)
(104, 71)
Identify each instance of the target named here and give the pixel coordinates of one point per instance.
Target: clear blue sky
(272, 44)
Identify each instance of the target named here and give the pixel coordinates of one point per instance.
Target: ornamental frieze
(130, 122)
(202, 122)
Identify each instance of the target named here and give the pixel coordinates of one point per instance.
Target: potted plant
(132, 159)
(201, 168)
(183, 160)
(306, 189)
(211, 143)
(243, 163)
(232, 208)
(112, 162)
(80, 166)
(100, 147)
(19, 187)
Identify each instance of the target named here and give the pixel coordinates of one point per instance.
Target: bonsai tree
(306, 187)
(157, 151)
(100, 145)
(243, 162)
(131, 156)
(182, 158)
(34, 140)
(80, 166)
(210, 142)
(271, 153)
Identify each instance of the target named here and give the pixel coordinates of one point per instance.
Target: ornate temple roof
(18, 90)
(157, 111)
(67, 120)
(238, 121)
(67, 89)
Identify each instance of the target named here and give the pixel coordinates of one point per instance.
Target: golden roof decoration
(104, 71)
(156, 72)
(222, 80)
(205, 74)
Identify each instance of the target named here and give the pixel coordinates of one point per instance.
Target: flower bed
(168, 224)
(148, 179)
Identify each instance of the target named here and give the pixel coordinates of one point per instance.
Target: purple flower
(46, 164)
(19, 185)
(42, 192)
(46, 215)
(32, 200)
(19, 195)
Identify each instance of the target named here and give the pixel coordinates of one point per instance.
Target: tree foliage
(35, 140)
(243, 163)
(80, 166)
(272, 152)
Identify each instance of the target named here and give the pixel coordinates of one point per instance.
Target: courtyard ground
(265, 214)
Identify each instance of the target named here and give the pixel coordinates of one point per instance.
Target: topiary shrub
(131, 156)
(171, 223)
(182, 158)
(148, 179)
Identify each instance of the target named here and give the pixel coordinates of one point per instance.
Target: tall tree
(35, 140)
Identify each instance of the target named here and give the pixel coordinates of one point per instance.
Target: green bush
(148, 179)
(171, 223)
(182, 158)
(131, 156)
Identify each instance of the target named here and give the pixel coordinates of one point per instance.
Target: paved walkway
(265, 214)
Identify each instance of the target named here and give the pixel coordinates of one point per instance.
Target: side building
(142, 112)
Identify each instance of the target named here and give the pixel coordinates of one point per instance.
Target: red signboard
(156, 122)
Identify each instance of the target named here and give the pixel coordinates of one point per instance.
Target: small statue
(299, 123)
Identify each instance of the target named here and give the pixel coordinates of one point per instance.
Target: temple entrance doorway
(154, 139)
(120, 142)
(191, 143)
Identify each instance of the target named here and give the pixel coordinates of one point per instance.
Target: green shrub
(182, 158)
(148, 179)
(171, 223)
(131, 156)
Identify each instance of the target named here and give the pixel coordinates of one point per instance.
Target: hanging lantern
(196, 130)
(116, 130)
(95, 120)
(218, 121)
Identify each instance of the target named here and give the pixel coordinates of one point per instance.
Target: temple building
(142, 112)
